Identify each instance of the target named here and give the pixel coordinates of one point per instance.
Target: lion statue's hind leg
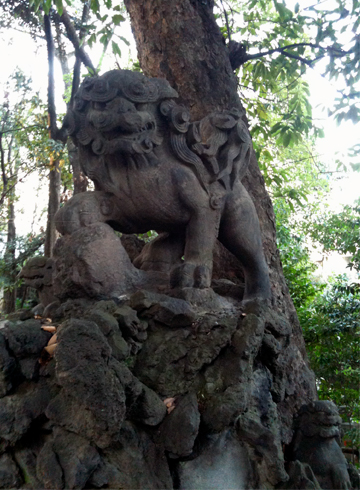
(240, 234)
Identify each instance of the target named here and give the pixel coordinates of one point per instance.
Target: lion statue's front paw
(189, 275)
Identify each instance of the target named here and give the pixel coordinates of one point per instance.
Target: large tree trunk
(180, 41)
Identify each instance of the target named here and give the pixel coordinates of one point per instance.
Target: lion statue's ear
(165, 89)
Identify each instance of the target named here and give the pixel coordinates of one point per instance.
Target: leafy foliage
(284, 42)
(331, 326)
(295, 257)
(329, 315)
(339, 232)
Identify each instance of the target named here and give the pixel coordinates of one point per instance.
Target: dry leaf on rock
(49, 328)
(170, 404)
(50, 349)
(53, 340)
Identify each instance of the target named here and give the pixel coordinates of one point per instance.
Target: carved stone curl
(154, 169)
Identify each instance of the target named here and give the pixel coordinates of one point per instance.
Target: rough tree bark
(180, 41)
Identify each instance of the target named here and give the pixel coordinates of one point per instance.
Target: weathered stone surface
(142, 403)
(128, 321)
(26, 338)
(49, 471)
(227, 288)
(97, 406)
(180, 428)
(104, 320)
(227, 386)
(205, 300)
(92, 263)
(72, 308)
(172, 312)
(67, 461)
(259, 427)
(301, 477)
(120, 349)
(171, 359)
(8, 368)
(9, 473)
(18, 411)
(354, 476)
(26, 461)
(30, 368)
(223, 465)
(137, 464)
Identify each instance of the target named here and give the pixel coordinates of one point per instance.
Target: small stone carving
(37, 273)
(154, 169)
(317, 443)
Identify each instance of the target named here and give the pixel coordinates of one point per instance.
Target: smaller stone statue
(37, 273)
(317, 443)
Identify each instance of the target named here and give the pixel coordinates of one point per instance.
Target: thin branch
(77, 65)
(22, 128)
(51, 79)
(9, 162)
(226, 20)
(105, 46)
(3, 173)
(238, 60)
(73, 37)
(9, 189)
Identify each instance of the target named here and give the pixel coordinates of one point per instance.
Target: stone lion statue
(37, 273)
(317, 443)
(154, 169)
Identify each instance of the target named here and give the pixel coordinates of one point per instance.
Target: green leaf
(117, 19)
(92, 40)
(37, 5)
(124, 40)
(116, 49)
(59, 6)
(47, 7)
(287, 139)
(95, 6)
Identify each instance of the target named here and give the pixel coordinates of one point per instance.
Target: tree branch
(227, 20)
(51, 79)
(77, 65)
(3, 173)
(22, 128)
(73, 37)
(238, 56)
(10, 188)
